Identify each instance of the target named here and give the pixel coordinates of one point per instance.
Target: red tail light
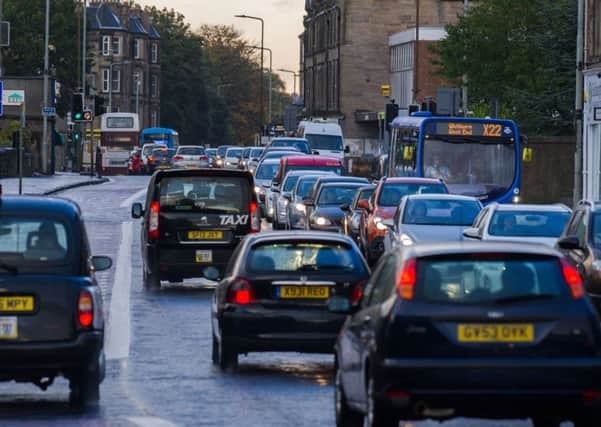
(255, 219)
(178, 157)
(591, 396)
(357, 292)
(406, 282)
(85, 309)
(153, 221)
(151, 159)
(203, 158)
(241, 292)
(573, 279)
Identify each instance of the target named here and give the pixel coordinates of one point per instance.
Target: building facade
(346, 55)
(126, 70)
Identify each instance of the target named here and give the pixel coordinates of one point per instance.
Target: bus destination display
(491, 130)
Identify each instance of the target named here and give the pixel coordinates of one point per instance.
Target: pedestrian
(98, 162)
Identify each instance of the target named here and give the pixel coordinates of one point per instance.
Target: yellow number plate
(488, 332)
(304, 292)
(205, 235)
(16, 304)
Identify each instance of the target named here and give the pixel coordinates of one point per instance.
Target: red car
(383, 204)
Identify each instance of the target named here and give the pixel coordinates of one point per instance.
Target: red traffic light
(87, 116)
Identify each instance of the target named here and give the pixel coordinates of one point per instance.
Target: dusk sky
(283, 24)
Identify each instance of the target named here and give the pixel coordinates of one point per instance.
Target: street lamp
(270, 72)
(261, 75)
(111, 82)
(138, 84)
(295, 74)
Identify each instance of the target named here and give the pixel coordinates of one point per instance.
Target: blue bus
(474, 156)
(165, 136)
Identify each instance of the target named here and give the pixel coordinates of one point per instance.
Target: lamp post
(261, 74)
(138, 83)
(110, 109)
(46, 71)
(270, 72)
(295, 74)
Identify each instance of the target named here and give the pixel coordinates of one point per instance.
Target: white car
(190, 156)
(233, 158)
(520, 223)
(266, 170)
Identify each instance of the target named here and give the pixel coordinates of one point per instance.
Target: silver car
(190, 157)
(430, 218)
(266, 170)
(233, 158)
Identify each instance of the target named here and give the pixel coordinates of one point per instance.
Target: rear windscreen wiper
(520, 298)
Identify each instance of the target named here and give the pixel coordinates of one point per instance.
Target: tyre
(215, 351)
(84, 387)
(546, 422)
(589, 420)
(227, 357)
(345, 416)
(376, 415)
(151, 281)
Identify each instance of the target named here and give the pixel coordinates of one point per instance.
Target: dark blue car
(51, 319)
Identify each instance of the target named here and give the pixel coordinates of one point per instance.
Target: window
(384, 284)
(106, 45)
(138, 49)
(105, 80)
(154, 53)
(154, 86)
(116, 46)
(116, 80)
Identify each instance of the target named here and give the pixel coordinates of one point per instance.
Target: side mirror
(347, 149)
(363, 204)
(287, 196)
(345, 207)
(316, 153)
(472, 233)
(388, 222)
(569, 243)
(266, 185)
(275, 183)
(275, 189)
(308, 201)
(339, 305)
(101, 263)
(137, 211)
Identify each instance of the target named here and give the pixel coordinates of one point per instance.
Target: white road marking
(128, 202)
(119, 321)
(150, 422)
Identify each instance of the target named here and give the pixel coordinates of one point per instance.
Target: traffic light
(78, 107)
(76, 136)
(98, 105)
(392, 110)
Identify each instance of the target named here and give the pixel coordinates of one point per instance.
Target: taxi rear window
(204, 194)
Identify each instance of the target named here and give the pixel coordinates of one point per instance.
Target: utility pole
(416, 56)
(1, 16)
(464, 94)
(579, 104)
(46, 66)
(84, 56)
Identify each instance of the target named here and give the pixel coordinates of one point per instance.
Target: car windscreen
(280, 154)
(325, 142)
(290, 182)
(267, 171)
(392, 193)
(305, 187)
(489, 278)
(364, 195)
(191, 151)
(236, 153)
(336, 168)
(528, 223)
(301, 146)
(337, 195)
(204, 194)
(440, 212)
(147, 150)
(34, 241)
(255, 153)
(221, 150)
(161, 152)
(304, 256)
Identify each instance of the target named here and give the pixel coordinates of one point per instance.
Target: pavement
(49, 184)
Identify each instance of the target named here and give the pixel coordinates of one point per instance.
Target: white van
(325, 138)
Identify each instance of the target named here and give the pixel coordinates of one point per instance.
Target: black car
(275, 291)
(51, 321)
(580, 242)
(352, 213)
(326, 211)
(192, 222)
(160, 158)
(470, 329)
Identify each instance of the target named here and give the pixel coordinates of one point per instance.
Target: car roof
(411, 180)
(270, 162)
(296, 173)
(470, 247)
(170, 173)
(288, 138)
(558, 207)
(340, 178)
(286, 236)
(342, 184)
(431, 196)
(39, 205)
(311, 160)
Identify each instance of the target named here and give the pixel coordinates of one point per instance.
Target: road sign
(49, 111)
(13, 97)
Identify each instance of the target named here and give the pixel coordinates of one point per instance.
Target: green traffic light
(78, 116)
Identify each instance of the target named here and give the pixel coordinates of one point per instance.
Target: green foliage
(520, 51)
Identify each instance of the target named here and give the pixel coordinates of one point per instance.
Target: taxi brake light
(255, 220)
(406, 281)
(85, 309)
(153, 221)
(241, 292)
(573, 279)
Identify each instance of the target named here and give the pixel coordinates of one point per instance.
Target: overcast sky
(283, 24)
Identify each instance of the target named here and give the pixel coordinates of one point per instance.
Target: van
(325, 138)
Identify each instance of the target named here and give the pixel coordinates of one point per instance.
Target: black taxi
(192, 222)
(51, 321)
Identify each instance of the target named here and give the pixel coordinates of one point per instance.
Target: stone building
(126, 70)
(345, 55)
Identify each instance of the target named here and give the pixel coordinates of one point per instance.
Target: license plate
(163, 166)
(204, 257)
(304, 292)
(205, 235)
(16, 304)
(489, 332)
(8, 328)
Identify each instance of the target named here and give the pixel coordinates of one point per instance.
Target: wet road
(159, 370)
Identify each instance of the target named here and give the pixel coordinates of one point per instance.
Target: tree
(520, 51)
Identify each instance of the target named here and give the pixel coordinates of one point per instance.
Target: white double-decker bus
(119, 135)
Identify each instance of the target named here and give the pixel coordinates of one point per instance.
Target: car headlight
(228, 163)
(320, 220)
(219, 161)
(597, 265)
(257, 189)
(270, 211)
(406, 240)
(251, 170)
(300, 207)
(284, 202)
(515, 199)
(381, 226)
